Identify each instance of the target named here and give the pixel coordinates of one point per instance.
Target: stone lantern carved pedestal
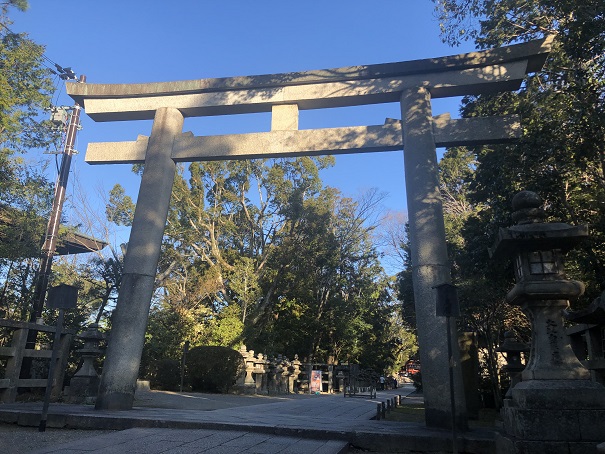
(555, 406)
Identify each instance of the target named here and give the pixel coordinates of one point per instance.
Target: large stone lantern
(555, 402)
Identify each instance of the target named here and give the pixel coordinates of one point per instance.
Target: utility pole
(52, 229)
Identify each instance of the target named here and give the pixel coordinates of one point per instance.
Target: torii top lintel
(492, 70)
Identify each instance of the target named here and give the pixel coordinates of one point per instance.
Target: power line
(64, 73)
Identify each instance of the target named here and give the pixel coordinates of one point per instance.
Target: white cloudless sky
(132, 41)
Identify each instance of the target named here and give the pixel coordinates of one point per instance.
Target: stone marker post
(129, 320)
(430, 265)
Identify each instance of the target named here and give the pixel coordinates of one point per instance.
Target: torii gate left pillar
(129, 320)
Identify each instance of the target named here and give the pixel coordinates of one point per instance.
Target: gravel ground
(16, 439)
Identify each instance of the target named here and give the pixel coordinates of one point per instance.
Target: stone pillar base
(83, 389)
(246, 389)
(510, 445)
(553, 416)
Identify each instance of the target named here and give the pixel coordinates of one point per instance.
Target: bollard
(399, 399)
(389, 405)
(383, 410)
(378, 412)
(393, 402)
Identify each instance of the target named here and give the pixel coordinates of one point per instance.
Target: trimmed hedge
(213, 369)
(167, 375)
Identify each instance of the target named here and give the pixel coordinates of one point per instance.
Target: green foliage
(213, 369)
(560, 157)
(167, 375)
(25, 90)
(120, 209)
(562, 108)
(25, 194)
(166, 332)
(260, 253)
(229, 327)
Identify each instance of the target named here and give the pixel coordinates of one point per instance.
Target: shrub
(167, 375)
(213, 369)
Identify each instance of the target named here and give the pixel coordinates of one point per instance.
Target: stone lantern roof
(531, 232)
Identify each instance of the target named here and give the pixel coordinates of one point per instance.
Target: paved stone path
(295, 423)
(176, 441)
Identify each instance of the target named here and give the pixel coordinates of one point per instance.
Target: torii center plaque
(418, 133)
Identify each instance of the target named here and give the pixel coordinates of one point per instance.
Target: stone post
(245, 382)
(129, 319)
(340, 376)
(295, 371)
(241, 379)
(469, 365)
(272, 376)
(309, 372)
(249, 382)
(331, 377)
(430, 265)
(285, 376)
(556, 406)
(260, 374)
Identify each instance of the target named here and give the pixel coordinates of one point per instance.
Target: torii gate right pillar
(430, 265)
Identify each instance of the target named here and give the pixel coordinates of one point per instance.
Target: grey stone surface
(515, 446)
(284, 117)
(485, 71)
(286, 141)
(487, 79)
(559, 394)
(430, 265)
(129, 320)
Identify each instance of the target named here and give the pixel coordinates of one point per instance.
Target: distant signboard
(315, 386)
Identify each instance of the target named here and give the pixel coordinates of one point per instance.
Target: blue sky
(152, 40)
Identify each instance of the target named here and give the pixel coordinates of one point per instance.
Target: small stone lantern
(555, 402)
(84, 384)
(512, 350)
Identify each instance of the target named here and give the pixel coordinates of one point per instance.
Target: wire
(60, 73)
(64, 73)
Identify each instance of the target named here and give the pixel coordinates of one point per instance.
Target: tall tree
(561, 155)
(259, 252)
(25, 91)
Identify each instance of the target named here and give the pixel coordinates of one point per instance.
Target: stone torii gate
(418, 133)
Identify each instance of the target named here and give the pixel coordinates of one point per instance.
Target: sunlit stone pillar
(430, 265)
(129, 320)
